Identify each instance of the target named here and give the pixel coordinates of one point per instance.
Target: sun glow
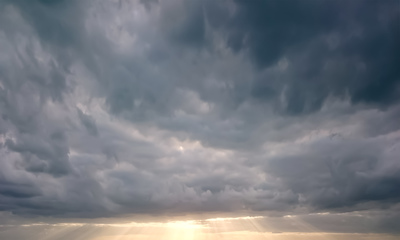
(247, 227)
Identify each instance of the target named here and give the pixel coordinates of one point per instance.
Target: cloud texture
(156, 107)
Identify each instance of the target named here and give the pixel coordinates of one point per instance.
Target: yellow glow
(232, 228)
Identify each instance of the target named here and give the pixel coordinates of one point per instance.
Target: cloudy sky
(287, 111)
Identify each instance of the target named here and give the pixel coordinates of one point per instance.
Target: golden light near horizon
(232, 228)
(199, 120)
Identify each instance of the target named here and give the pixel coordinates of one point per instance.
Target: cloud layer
(155, 107)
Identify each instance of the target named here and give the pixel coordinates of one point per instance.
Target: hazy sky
(216, 108)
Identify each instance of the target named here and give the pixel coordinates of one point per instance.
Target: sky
(199, 119)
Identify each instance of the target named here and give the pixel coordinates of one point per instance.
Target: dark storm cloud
(33, 139)
(17, 190)
(333, 48)
(189, 28)
(42, 155)
(55, 21)
(110, 108)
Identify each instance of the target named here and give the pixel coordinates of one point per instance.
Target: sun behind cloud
(199, 119)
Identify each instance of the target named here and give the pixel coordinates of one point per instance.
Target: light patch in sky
(248, 227)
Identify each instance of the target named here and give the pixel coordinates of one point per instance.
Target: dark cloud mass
(176, 107)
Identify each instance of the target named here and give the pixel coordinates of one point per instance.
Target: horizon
(199, 119)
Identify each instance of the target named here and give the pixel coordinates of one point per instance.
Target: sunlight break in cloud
(192, 115)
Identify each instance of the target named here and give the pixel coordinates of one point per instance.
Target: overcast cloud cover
(176, 107)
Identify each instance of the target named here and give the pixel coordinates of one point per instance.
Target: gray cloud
(335, 48)
(330, 174)
(109, 108)
(88, 122)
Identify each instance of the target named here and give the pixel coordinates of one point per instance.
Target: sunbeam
(249, 227)
(199, 119)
